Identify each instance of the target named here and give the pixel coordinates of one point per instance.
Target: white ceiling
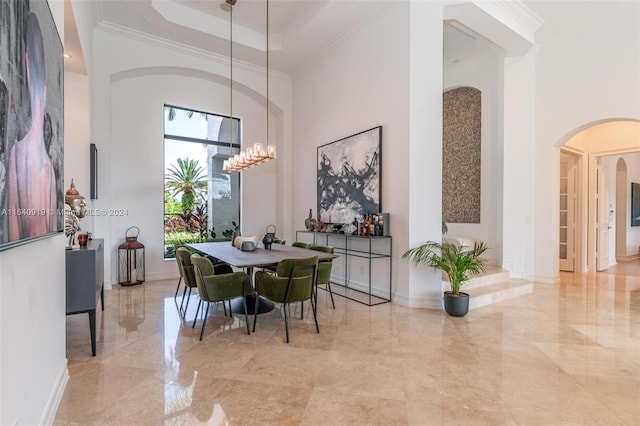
(300, 30)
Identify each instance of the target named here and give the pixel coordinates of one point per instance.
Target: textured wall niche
(461, 155)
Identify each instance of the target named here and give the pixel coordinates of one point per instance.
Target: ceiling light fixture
(257, 154)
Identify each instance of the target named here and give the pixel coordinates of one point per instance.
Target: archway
(592, 143)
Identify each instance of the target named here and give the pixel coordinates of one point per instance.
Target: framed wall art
(635, 204)
(31, 123)
(349, 177)
(93, 170)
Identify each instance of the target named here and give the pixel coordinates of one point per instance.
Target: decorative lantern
(131, 260)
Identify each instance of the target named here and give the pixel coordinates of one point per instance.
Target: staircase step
(497, 292)
(493, 275)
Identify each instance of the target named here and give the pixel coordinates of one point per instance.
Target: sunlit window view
(201, 201)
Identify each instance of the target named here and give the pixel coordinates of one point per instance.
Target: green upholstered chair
(300, 244)
(294, 281)
(219, 287)
(272, 268)
(324, 270)
(183, 256)
(179, 263)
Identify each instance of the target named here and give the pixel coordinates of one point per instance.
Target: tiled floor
(565, 354)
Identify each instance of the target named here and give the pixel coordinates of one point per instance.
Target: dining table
(224, 251)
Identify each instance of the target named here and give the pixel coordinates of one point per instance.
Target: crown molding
(520, 18)
(510, 25)
(188, 17)
(112, 28)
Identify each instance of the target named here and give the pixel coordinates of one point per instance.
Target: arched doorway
(599, 147)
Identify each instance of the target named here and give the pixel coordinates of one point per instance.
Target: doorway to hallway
(568, 206)
(608, 159)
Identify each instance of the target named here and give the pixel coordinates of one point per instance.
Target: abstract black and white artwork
(31, 123)
(349, 172)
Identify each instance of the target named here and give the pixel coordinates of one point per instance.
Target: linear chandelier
(257, 154)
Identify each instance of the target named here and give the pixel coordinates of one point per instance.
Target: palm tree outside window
(201, 200)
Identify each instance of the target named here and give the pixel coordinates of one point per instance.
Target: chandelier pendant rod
(257, 154)
(267, 72)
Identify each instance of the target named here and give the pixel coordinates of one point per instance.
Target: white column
(100, 86)
(519, 177)
(425, 146)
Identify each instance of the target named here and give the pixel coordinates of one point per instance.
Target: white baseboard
(427, 302)
(56, 396)
(162, 276)
(149, 277)
(363, 287)
(628, 257)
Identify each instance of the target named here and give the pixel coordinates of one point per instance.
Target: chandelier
(256, 154)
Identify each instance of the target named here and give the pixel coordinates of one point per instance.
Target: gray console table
(85, 282)
(371, 249)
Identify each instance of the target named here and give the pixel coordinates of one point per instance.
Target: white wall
(519, 182)
(425, 149)
(134, 77)
(484, 72)
(33, 365)
(370, 79)
(587, 65)
(77, 139)
(361, 83)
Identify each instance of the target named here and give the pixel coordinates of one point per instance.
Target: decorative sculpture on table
(71, 226)
(77, 210)
(269, 237)
(310, 222)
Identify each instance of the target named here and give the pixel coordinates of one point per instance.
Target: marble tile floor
(566, 354)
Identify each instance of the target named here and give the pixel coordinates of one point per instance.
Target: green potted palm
(458, 262)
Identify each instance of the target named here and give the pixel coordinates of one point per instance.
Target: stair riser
(498, 296)
(480, 281)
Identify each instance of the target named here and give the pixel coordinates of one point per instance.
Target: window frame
(187, 139)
